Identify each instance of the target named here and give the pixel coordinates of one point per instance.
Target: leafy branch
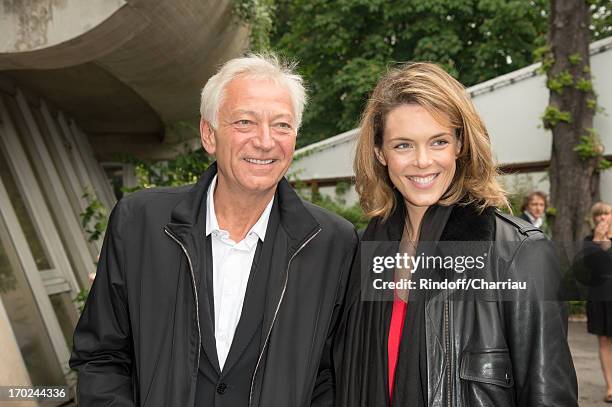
(94, 218)
(258, 15)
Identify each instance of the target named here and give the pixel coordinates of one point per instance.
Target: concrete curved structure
(126, 70)
(33, 25)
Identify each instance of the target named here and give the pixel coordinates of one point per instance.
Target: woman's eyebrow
(397, 138)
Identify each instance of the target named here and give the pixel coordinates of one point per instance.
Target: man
(225, 293)
(534, 209)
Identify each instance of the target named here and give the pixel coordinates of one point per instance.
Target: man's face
(536, 207)
(256, 134)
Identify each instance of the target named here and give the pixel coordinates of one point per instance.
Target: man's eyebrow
(242, 111)
(287, 115)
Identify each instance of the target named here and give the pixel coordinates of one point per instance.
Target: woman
(534, 209)
(597, 259)
(425, 173)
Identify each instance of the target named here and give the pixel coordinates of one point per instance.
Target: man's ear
(380, 156)
(207, 136)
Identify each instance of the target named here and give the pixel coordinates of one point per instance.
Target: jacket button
(221, 388)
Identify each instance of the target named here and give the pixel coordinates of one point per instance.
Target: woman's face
(603, 217)
(536, 207)
(419, 153)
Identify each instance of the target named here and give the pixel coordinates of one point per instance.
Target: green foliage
(558, 82)
(575, 59)
(577, 307)
(258, 15)
(8, 282)
(353, 213)
(342, 188)
(589, 146)
(601, 19)
(518, 186)
(80, 299)
(337, 205)
(584, 85)
(553, 116)
(603, 164)
(183, 169)
(591, 103)
(344, 46)
(544, 55)
(95, 217)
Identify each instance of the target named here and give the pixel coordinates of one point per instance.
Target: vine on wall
(590, 146)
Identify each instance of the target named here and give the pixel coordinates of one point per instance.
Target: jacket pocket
(486, 378)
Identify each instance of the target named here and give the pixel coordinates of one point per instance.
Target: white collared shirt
(537, 222)
(231, 268)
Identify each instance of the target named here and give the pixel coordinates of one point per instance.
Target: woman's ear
(207, 137)
(458, 144)
(380, 156)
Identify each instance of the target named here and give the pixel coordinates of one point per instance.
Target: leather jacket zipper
(195, 294)
(276, 313)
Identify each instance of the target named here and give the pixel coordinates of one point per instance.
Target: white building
(511, 106)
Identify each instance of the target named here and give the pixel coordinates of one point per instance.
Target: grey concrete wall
(28, 25)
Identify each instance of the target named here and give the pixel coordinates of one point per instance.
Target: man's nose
(264, 139)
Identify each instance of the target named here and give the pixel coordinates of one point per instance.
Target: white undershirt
(231, 268)
(537, 222)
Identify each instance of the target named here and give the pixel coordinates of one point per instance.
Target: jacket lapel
(296, 227)
(188, 225)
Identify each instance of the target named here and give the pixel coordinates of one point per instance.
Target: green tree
(344, 46)
(577, 152)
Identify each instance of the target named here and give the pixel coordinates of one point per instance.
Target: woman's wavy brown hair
(427, 85)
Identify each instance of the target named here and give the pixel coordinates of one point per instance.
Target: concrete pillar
(12, 369)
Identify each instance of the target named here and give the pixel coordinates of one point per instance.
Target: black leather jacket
(512, 352)
(482, 350)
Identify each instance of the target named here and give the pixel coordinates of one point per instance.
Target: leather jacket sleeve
(536, 328)
(325, 385)
(102, 351)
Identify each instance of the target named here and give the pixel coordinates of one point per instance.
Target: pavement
(591, 384)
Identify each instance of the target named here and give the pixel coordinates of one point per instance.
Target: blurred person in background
(534, 209)
(596, 260)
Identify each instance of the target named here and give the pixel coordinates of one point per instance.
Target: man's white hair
(253, 66)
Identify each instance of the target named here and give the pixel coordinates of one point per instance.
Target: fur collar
(467, 223)
(464, 223)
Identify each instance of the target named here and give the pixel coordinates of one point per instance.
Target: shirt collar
(537, 222)
(259, 228)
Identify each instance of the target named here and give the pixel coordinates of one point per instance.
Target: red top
(395, 335)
